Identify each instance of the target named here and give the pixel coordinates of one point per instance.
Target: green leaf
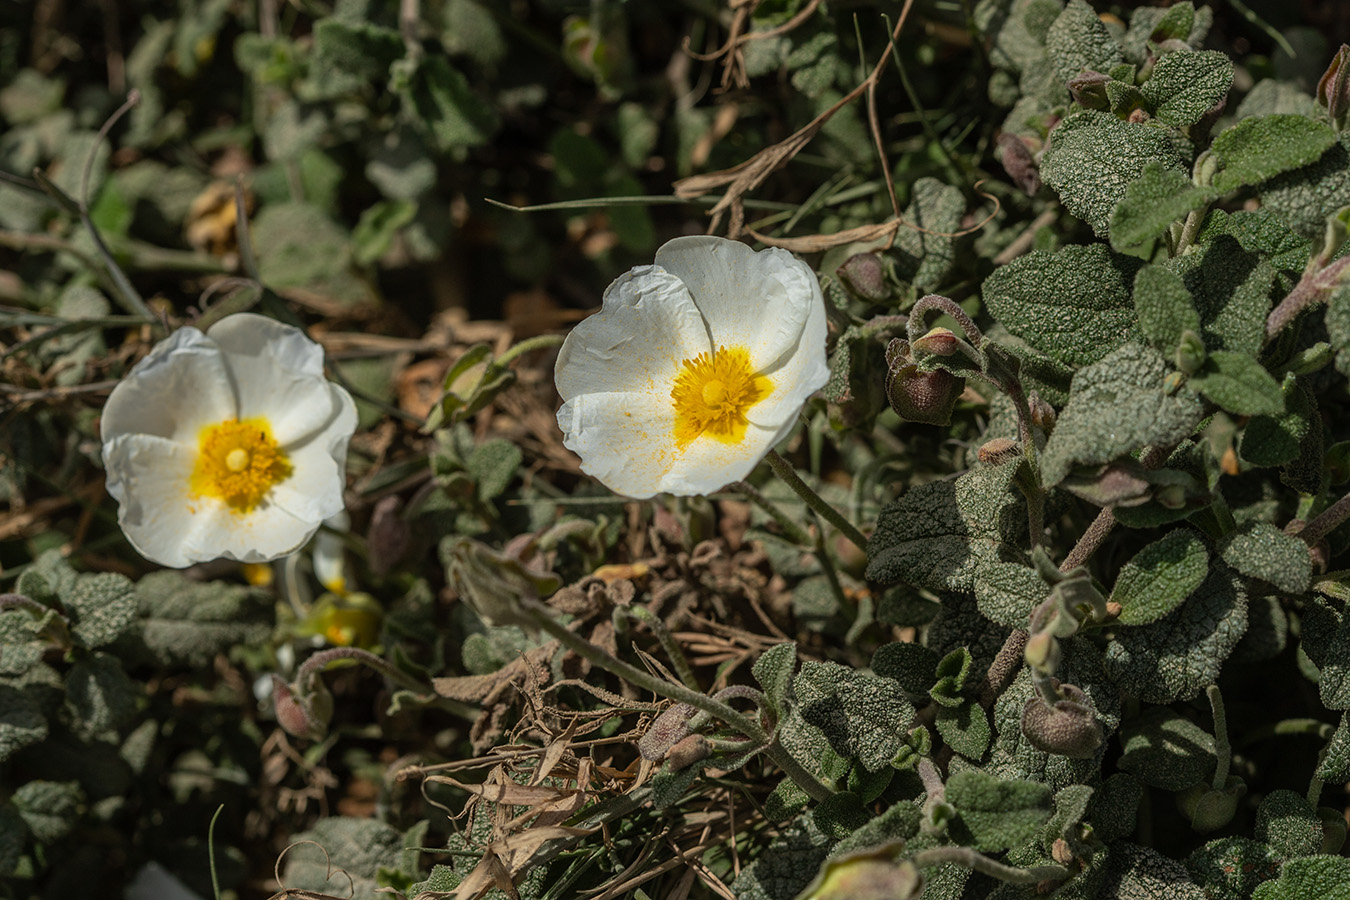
(1232, 867)
(965, 729)
(1260, 550)
(1115, 806)
(1094, 157)
(1275, 440)
(357, 846)
(493, 465)
(993, 814)
(1186, 85)
(911, 665)
(21, 720)
(1263, 232)
(1079, 40)
(1257, 149)
(1309, 878)
(1160, 577)
(350, 55)
(1073, 305)
(100, 696)
(379, 225)
(787, 865)
(1231, 288)
(928, 256)
(103, 607)
(437, 98)
(1144, 873)
(1289, 824)
(1176, 657)
(186, 623)
(471, 29)
(773, 670)
(1306, 197)
(1165, 309)
(862, 716)
(1166, 750)
(50, 809)
(1335, 765)
(1151, 203)
(1239, 384)
(935, 535)
(669, 785)
(442, 878)
(297, 245)
(1117, 406)
(1007, 592)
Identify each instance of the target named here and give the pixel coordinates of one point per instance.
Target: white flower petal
(646, 328)
(148, 475)
(263, 534)
(759, 300)
(313, 492)
(800, 375)
(624, 439)
(276, 372)
(179, 388)
(708, 465)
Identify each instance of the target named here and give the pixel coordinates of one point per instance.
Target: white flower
(227, 444)
(693, 369)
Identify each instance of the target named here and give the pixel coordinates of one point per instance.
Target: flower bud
(1210, 810)
(868, 874)
(937, 342)
(1043, 415)
(1089, 89)
(865, 276)
(668, 729)
(1068, 728)
(1019, 163)
(388, 535)
(998, 451)
(302, 716)
(1333, 89)
(1190, 352)
(1042, 652)
(688, 751)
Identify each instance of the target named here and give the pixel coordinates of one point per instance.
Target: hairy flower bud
(1089, 89)
(688, 751)
(1210, 810)
(301, 715)
(865, 276)
(998, 451)
(1333, 89)
(1068, 728)
(669, 728)
(867, 875)
(1019, 163)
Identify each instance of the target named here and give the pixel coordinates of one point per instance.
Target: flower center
(238, 462)
(712, 393)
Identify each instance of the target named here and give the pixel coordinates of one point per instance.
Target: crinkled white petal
(758, 300)
(646, 328)
(707, 465)
(148, 476)
(313, 492)
(180, 387)
(276, 372)
(627, 440)
(801, 374)
(259, 535)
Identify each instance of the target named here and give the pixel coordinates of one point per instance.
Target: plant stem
(538, 342)
(783, 469)
(924, 305)
(1005, 667)
(1328, 521)
(668, 644)
(312, 666)
(964, 856)
(1090, 541)
(1191, 229)
(1222, 749)
(792, 530)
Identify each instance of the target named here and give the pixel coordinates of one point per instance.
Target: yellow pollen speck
(238, 462)
(712, 393)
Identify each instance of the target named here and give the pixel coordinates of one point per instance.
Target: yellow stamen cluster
(238, 462)
(712, 393)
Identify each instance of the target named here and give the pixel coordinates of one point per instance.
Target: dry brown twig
(733, 60)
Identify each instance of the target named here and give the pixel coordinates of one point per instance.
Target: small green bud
(1210, 810)
(1205, 168)
(870, 874)
(1042, 652)
(1190, 353)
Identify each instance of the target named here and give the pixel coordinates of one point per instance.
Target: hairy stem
(964, 856)
(1191, 229)
(783, 469)
(918, 314)
(1090, 541)
(1222, 749)
(1004, 668)
(668, 643)
(1328, 521)
(314, 665)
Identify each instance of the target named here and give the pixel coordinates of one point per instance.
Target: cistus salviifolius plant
(950, 501)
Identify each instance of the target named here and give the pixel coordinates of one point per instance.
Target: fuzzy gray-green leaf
(100, 695)
(1152, 202)
(911, 665)
(1117, 406)
(1073, 305)
(1160, 577)
(1333, 683)
(1007, 592)
(21, 720)
(994, 814)
(937, 208)
(49, 808)
(1335, 765)
(187, 622)
(863, 717)
(1263, 551)
(1231, 287)
(1289, 824)
(1274, 440)
(1165, 308)
(1257, 149)
(1094, 157)
(773, 670)
(1232, 867)
(1177, 656)
(1079, 40)
(1306, 197)
(1186, 85)
(1239, 384)
(103, 606)
(965, 729)
(1309, 878)
(1166, 750)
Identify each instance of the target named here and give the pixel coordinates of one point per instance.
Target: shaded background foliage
(133, 704)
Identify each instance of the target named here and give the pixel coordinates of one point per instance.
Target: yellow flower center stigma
(238, 462)
(712, 393)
